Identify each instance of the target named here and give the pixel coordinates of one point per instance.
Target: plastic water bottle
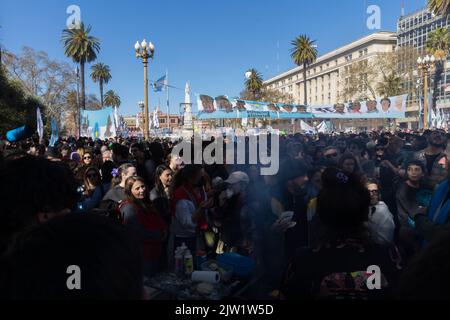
(178, 261)
(183, 248)
(188, 263)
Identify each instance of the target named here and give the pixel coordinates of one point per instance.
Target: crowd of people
(118, 208)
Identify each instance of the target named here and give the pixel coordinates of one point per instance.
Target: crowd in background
(120, 207)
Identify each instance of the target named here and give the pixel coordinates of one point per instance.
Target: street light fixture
(425, 64)
(141, 105)
(145, 51)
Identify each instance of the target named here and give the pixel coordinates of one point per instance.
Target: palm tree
(254, 82)
(390, 86)
(112, 99)
(439, 7)
(82, 48)
(303, 53)
(101, 74)
(438, 44)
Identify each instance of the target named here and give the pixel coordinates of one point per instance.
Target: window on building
(173, 120)
(162, 120)
(290, 88)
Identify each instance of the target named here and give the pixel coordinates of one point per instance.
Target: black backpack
(110, 209)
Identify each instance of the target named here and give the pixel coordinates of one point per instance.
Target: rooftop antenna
(403, 8)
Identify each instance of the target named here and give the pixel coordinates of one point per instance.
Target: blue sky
(208, 43)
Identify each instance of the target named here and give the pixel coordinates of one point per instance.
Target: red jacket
(151, 221)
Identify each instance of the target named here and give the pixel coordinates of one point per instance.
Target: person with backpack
(110, 202)
(141, 217)
(117, 191)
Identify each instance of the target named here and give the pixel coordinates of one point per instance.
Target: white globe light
(137, 46)
(248, 74)
(144, 44)
(432, 59)
(419, 60)
(151, 46)
(427, 58)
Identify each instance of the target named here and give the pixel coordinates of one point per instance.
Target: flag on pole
(306, 127)
(40, 124)
(159, 85)
(55, 133)
(116, 121)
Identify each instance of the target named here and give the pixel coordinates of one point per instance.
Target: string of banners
(222, 107)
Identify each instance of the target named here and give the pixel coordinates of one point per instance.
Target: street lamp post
(248, 75)
(145, 51)
(425, 64)
(141, 106)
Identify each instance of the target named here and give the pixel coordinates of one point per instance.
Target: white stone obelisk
(187, 111)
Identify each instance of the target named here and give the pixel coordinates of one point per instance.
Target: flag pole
(167, 88)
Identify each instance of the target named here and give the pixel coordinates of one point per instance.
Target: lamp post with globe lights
(425, 64)
(145, 51)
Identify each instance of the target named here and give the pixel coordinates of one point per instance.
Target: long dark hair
(348, 156)
(86, 182)
(183, 176)
(343, 205)
(145, 203)
(158, 184)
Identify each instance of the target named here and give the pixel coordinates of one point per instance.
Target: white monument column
(187, 112)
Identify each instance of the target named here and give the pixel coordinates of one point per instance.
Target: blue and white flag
(55, 133)
(39, 124)
(160, 84)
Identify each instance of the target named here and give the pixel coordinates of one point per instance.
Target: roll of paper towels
(206, 276)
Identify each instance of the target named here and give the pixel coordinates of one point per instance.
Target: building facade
(412, 31)
(132, 122)
(324, 77)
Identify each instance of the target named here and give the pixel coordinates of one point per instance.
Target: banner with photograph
(381, 108)
(98, 124)
(223, 108)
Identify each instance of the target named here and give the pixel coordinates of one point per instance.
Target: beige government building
(325, 77)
